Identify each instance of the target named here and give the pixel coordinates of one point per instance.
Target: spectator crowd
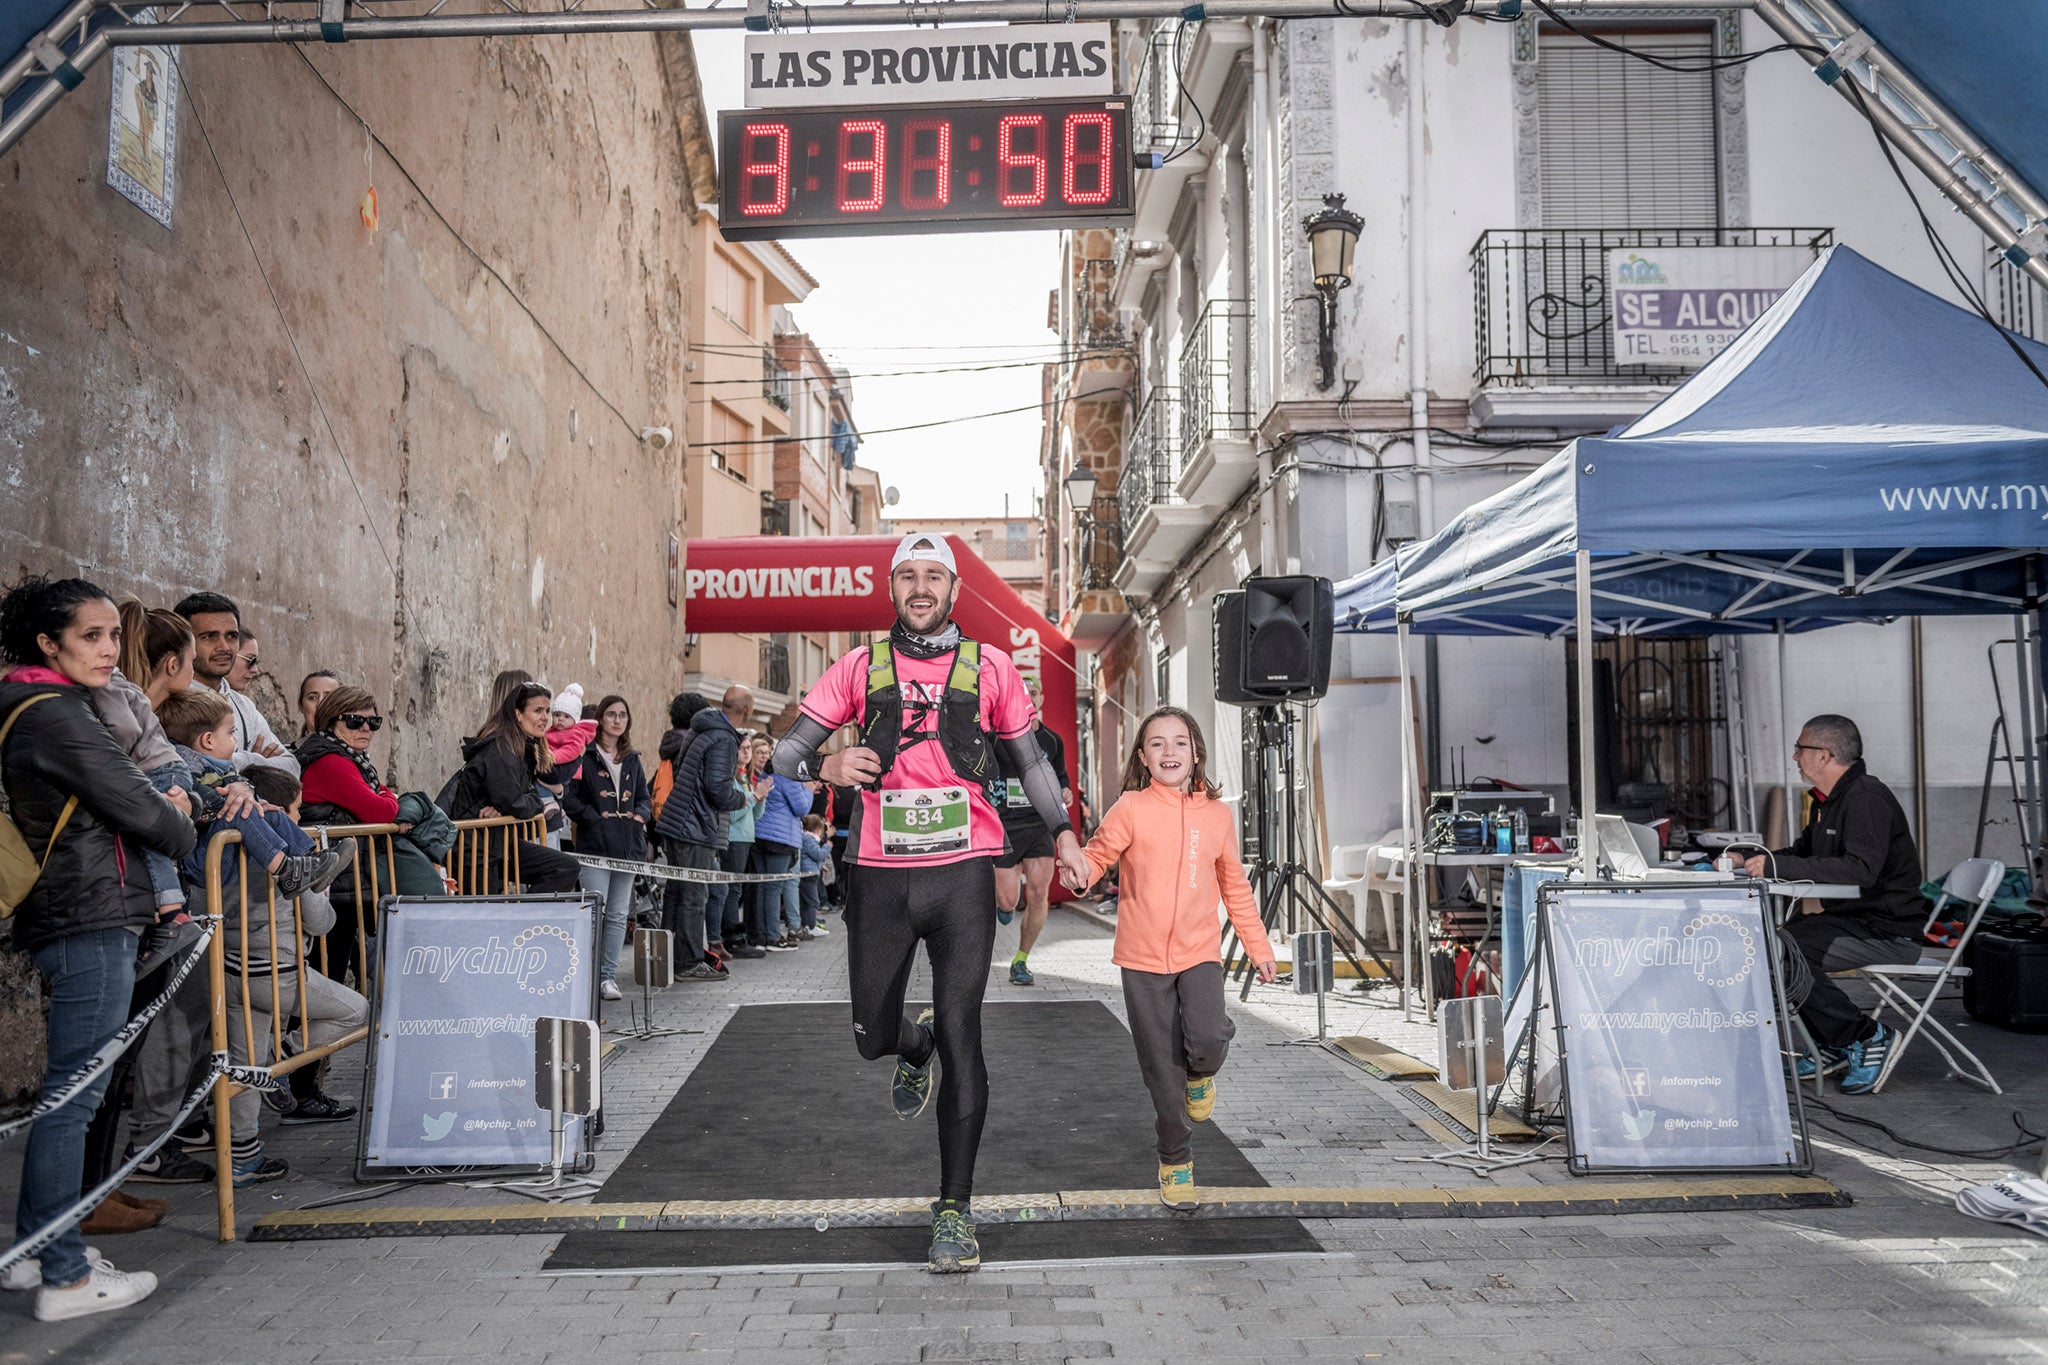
(129, 741)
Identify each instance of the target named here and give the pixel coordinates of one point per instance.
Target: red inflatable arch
(761, 584)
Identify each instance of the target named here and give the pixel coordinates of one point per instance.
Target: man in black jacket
(1857, 835)
(693, 826)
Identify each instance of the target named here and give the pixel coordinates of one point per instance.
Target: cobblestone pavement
(1898, 1276)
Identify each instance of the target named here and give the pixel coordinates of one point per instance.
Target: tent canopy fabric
(1864, 450)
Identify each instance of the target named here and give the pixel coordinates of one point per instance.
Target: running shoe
(1004, 916)
(780, 945)
(1177, 1185)
(954, 1248)
(321, 1107)
(1866, 1060)
(746, 950)
(1020, 973)
(1831, 1061)
(1201, 1098)
(170, 1166)
(196, 1136)
(702, 971)
(912, 1090)
(258, 1169)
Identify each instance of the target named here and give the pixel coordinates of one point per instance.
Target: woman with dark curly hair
(76, 797)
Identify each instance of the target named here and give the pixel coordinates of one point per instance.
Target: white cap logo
(926, 546)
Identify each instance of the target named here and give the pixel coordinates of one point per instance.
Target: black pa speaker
(1272, 640)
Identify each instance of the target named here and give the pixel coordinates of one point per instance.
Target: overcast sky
(927, 301)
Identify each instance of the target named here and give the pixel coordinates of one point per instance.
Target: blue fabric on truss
(1861, 423)
(1981, 58)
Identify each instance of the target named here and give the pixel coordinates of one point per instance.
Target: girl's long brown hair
(1137, 776)
(625, 735)
(148, 636)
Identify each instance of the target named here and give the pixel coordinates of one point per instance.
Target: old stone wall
(412, 453)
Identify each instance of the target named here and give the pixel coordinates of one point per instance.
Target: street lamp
(1081, 488)
(1332, 240)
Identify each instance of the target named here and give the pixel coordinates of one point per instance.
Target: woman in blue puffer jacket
(778, 835)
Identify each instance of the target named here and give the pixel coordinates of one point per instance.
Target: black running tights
(951, 909)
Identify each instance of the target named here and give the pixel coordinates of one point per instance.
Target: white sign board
(1681, 306)
(1668, 1024)
(928, 65)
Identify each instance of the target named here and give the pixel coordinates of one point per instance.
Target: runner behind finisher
(922, 841)
(1024, 871)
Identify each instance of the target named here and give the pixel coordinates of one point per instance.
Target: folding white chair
(1973, 882)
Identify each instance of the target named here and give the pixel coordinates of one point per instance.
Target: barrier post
(216, 963)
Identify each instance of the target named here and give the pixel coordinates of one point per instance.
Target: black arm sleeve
(1040, 783)
(796, 754)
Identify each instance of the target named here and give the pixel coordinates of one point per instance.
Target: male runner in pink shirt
(932, 707)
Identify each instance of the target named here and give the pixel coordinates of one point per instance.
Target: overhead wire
(1038, 407)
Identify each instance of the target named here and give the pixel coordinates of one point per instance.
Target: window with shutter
(1624, 143)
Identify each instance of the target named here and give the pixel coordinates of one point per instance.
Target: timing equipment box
(2008, 980)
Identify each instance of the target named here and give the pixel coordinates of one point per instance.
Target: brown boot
(159, 1207)
(112, 1218)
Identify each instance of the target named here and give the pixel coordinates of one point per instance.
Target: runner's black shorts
(1024, 839)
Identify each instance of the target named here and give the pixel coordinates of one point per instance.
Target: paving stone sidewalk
(1898, 1276)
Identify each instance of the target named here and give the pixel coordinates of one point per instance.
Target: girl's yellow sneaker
(1201, 1098)
(1177, 1185)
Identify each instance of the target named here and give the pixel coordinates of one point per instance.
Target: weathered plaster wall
(486, 360)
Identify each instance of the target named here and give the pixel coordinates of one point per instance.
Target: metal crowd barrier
(466, 871)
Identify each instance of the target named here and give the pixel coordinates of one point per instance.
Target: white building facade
(1495, 167)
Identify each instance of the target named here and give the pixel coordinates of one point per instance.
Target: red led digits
(872, 165)
(1010, 161)
(1075, 158)
(775, 170)
(938, 163)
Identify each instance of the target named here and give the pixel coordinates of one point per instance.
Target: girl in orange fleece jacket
(1178, 846)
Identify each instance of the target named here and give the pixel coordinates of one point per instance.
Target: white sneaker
(821, 931)
(608, 990)
(102, 1291)
(27, 1274)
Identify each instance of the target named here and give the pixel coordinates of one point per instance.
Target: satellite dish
(890, 497)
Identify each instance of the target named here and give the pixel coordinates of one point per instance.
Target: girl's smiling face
(1169, 752)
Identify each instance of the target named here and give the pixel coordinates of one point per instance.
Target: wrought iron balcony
(1152, 459)
(1098, 545)
(1541, 305)
(775, 666)
(775, 380)
(1155, 90)
(1215, 379)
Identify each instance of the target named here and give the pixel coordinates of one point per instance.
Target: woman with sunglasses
(500, 769)
(340, 786)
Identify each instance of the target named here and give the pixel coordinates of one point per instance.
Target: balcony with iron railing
(774, 675)
(1098, 545)
(1541, 306)
(775, 380)
(1216, 420)
(1157, 525)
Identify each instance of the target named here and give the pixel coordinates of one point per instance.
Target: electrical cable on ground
(2019, 1120)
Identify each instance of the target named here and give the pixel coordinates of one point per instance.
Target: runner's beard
(937, 627)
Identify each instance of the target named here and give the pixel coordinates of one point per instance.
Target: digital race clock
(923, 168)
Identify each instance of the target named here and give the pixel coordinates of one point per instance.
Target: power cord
(2019, 1120)
(1181, 93)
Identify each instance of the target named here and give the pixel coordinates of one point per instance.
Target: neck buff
(924, 646)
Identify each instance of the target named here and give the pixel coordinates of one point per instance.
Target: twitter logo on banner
(437, 1126)
(1637, 1125)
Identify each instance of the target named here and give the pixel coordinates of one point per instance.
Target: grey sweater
(126, 710)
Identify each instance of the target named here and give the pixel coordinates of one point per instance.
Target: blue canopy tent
(1864, 451)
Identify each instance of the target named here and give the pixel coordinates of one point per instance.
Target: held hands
(1076, 873)
(852, 767)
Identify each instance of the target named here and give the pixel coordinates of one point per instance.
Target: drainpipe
(1418, 284)
(1264, 290)
(1920, 737)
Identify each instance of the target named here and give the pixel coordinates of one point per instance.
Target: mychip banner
(452, 1052)
(1668, 1021)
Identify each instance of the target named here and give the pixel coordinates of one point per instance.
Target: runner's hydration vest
(960, 735)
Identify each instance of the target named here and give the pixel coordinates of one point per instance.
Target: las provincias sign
(928, 66)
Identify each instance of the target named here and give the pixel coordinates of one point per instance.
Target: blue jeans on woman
(91, 976)
(617, 890)
(781, 915)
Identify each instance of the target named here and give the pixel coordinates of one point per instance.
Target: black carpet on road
(783, 1107)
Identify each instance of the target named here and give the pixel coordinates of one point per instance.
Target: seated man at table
(1857, 835)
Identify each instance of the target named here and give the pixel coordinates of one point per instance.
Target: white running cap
(927, 545)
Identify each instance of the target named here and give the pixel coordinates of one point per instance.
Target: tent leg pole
(1409, 848)
(1785, 738)
(1588, 839)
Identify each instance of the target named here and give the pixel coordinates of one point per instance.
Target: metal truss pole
(1994, 196)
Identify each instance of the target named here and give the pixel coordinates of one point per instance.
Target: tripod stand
(1283, 884)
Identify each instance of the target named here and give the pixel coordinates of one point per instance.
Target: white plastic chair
(1973, 882)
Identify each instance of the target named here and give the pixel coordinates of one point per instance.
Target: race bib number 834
(919, 822)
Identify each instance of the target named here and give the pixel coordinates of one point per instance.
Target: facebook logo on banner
(441, 1085)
